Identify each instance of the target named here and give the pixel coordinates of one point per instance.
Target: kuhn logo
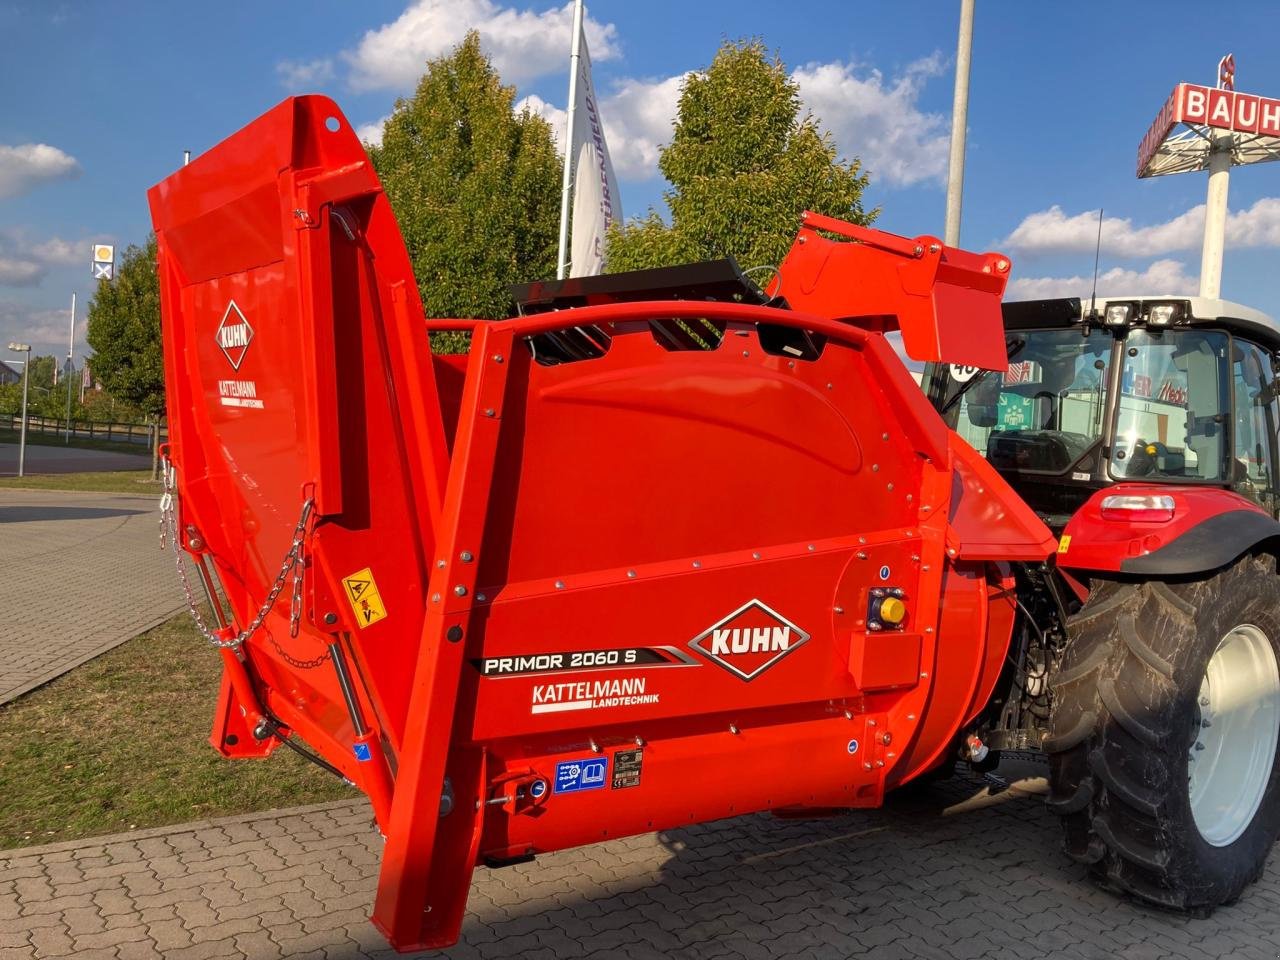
(750, 640)
(234, 335)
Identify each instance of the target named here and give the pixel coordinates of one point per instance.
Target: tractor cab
(1155, 390)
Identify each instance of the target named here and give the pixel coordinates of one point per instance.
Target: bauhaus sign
(1210, 107)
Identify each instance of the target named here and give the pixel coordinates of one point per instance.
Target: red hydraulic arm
(546, 603)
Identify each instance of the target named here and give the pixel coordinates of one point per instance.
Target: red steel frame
(623, 504)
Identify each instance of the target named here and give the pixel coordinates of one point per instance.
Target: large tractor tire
(1163, 759)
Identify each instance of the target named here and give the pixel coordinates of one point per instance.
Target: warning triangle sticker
(357, 587)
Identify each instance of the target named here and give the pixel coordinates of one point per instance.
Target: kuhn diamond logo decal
(750, 640)
(234, 335)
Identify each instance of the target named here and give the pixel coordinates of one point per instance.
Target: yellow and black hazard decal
(363, 594)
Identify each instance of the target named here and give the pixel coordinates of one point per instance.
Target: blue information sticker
(573, 776)
(362, 752)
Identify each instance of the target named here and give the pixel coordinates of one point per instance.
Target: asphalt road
(42, 459)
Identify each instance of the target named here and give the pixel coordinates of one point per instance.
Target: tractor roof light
(1138, 509)
(1167, 313)
(1118, 314)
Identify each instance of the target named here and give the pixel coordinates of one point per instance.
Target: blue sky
(101, 99)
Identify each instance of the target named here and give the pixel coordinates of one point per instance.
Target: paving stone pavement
(960, 872)
(79, 574)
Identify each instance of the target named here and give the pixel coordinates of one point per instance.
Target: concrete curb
(11, 695)
(106, 839)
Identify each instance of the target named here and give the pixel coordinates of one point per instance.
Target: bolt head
(331, 618)
(460, 590)
(466, 556)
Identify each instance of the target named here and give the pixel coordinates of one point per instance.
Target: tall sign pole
(575, 53)
(959, 120)
(1215, 209)
(1215, 218)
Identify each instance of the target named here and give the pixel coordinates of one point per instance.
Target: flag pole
(71, 349)
(575, 52)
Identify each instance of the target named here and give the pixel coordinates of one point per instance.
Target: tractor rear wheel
(1163, 759)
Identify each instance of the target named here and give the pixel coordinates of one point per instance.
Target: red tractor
(1142, 430)
(667, 547)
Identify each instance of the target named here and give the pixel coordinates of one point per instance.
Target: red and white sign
(1210, 107)
(234, 335)
(750, 640)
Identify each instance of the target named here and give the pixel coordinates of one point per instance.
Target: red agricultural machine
(666, 547)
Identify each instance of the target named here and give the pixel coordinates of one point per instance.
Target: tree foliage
(742, 164)
(475, 187)
(124, 332)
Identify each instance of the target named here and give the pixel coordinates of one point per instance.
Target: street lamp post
(26, 382)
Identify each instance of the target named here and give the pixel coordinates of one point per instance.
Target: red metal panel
(945, 301)
(643, 581)
(1092, 542)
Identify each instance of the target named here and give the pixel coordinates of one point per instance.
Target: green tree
(475, 187)
(742, 164)
(124, 332)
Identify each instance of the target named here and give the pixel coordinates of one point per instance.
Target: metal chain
(293, 661)
(293, 563)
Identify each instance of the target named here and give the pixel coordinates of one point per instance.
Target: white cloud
(1053, 231)
(302, 75)
(870, 118)
(25, 167)
(24, 262)
(371, 133)
(42, 327)
(63, 252)
(637, 116)
(1161, 277)
(20, 273)
(522, 44)
(880, 121)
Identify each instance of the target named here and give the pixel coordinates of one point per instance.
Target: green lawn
(109, 481)
(121, 743)
(83, 443)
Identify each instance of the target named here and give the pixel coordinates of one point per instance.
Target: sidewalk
(983, 879)
(79, 574)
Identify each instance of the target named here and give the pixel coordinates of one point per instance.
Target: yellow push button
(892, 610)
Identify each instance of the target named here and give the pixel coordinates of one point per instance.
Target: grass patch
(107, 481)
(81, 443)
(121, 743)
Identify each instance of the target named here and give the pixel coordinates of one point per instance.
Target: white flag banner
(596, 203)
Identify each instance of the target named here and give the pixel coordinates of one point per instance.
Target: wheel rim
(1233, 746)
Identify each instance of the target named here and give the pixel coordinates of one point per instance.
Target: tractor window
(1172, 412)
(1044, 413)
(1253, 427)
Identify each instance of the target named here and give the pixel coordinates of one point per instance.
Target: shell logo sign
(104, 261)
